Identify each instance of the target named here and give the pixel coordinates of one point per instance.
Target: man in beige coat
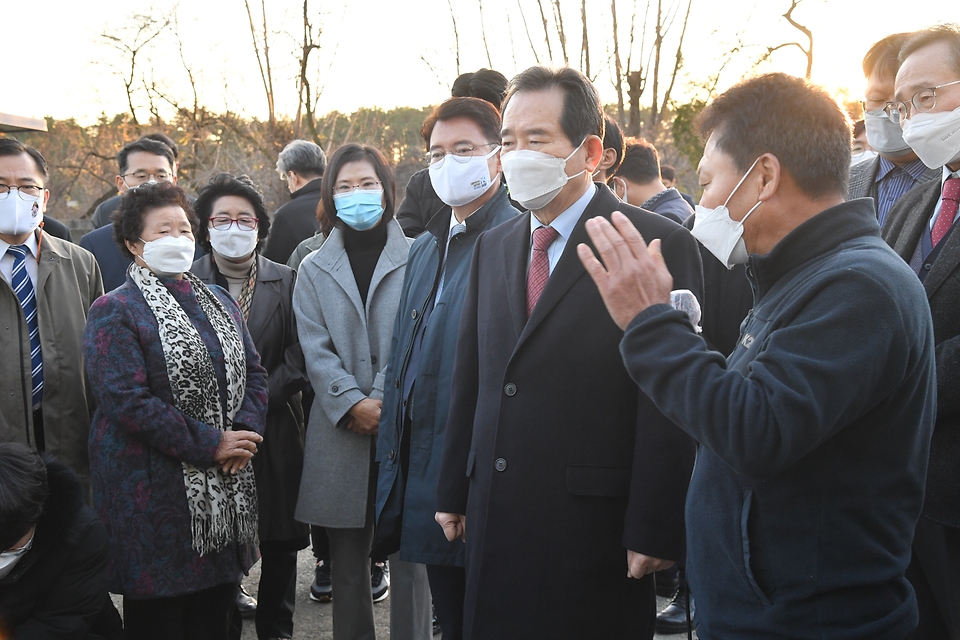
(44, 400)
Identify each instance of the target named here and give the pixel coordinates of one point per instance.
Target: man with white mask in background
(46, 287)
(921, 229)
(553, 463)
(463, 141)
(896, 169)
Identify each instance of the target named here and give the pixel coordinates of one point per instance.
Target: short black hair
(225, 184)
(946, 33)
(353, 152)
(165, 139)
(790, 118)
(13, 147)
(883, 58)
(145, 145)
(613, 139)
(667, 172)
(641, 162)
(135, 204)
(582, 114)
(480, 112)
(305, 157)
(485, 84)
(23, 491)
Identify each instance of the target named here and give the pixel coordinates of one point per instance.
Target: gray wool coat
(346, 348)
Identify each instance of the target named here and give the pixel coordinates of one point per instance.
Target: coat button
(510, 389)
(500, 464)
(396, 383)
(392, 454)
(413, 314)
(335, 388)
(373, 359)
(927, 267)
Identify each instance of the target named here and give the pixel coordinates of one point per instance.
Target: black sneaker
(436, 623)
(322, 588)
(379, 581)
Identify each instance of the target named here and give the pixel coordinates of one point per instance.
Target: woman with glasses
(233, 223)
(181, 403)
(346, 301)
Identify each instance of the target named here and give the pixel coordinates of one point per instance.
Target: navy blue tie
(28, 301)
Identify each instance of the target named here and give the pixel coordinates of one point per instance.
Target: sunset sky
(401, 53)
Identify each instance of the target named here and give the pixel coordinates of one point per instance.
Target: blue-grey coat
(421, 538)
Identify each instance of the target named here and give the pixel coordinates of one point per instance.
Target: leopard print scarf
(223, 507)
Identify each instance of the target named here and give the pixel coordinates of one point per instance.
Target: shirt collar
(947, 174)
(31, 244)
(566, 221)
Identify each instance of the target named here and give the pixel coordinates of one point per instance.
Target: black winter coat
(58, 589)
(293, 223)
(558, 462)
(279, 459)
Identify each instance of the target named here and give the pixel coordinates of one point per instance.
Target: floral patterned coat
(138, 440)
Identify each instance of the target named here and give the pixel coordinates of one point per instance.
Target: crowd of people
(540, 390)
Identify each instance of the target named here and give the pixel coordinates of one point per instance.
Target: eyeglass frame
(149, 174)
(459, 158)
(211, 225)
(20, 188)
(359, 187)
(900, 107)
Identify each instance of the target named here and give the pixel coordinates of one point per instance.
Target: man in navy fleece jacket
(814, 434)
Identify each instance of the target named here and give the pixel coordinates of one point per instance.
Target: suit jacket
(863, 176)
(113, 264)
(346, 345)
(558, 461)
(902, 231)
(279, 460)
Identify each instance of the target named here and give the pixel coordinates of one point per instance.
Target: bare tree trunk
(483, 32)
(558, 17)
(526, 28)
(456, 35)
(635, 86)
(584, 40)
(678, 61)
(263, 61)
(657, 48)
(617, 66)
(546, 29)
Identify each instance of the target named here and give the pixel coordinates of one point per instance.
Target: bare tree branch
(805, 31)
(483, 32)
(558, 18)
(456, 34)
(678, 61)
(526, 28)
(546, 29)
(584, 40)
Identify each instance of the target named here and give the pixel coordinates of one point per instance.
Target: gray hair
(304, 157)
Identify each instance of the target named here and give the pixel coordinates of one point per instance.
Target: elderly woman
(181, 402)
(233, 223)
(346, 300)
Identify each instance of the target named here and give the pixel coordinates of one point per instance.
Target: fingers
(249, 435)
(591, 264)
(631, 237)
(602, 234)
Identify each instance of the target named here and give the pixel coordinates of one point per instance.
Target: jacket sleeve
(663, 454)
(278, 246)
(336, 389)
(117, 368)
(797, 392)
(77, 597)
(453, 485)
(290, 375)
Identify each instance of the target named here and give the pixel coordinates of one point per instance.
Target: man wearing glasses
(145, 161)
(920, 229)
(897, 169)
(46, 287)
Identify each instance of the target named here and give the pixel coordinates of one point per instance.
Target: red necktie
(539, 272)
(948, 210)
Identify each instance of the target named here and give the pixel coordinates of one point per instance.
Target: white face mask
(168, 256)
(535, 178)
(9, 559)
(721, 234)
(884, 136)
(458, 183)
(19, 216)
(233, 242)
(934, 137)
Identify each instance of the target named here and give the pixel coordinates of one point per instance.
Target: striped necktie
(28, 301)
(457, 230)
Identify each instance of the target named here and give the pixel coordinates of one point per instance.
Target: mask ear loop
(730, 197)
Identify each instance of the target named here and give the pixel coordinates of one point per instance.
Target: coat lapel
(266, 299)
(913, 224)
(393, 257)
(949, 257)
(48, 259)
(332, 258)
(516, 250)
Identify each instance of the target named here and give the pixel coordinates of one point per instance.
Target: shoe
(246, 603)
(673, 618)
(436, 625)
(322, 588)
(379, 581)
(667, 582)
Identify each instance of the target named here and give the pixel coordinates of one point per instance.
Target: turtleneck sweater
(364, 249)
(236, 273)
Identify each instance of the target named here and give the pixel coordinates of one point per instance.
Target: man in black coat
(564, 479)
(300, 165)
(921, 228)
(53, 572)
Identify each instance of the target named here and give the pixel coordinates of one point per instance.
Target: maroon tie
(539, 272)
(948, 210)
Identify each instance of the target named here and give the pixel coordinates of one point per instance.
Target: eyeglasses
(244, 223)
(28, 192)
(143, 176)
(462, 153)
(366, 185)
(923, 101)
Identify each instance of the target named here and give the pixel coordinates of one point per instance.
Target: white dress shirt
(562, 224)
(6, 260)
